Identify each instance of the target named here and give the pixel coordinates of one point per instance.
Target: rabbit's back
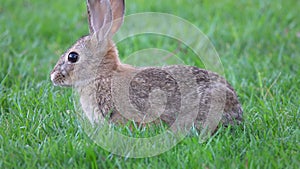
(178, 89)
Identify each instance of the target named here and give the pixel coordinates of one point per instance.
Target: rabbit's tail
(233, 117)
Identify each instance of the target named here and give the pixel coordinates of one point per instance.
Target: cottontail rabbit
(119, 92)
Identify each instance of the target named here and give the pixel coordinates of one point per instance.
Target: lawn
(259, 46)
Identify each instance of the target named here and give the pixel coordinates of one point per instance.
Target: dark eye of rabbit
(73, 57)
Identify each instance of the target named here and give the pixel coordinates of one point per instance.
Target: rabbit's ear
(105, 16)
(118, 10)
(100, 16)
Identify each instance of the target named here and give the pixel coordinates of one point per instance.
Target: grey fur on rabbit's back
(211, 89)
(93, 68)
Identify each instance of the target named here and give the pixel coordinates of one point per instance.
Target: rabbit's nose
(53, 77)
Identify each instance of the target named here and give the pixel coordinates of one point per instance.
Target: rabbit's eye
(73, 57)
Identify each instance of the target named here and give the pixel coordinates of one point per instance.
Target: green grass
(258, 42)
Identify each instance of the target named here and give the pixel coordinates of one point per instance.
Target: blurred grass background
(258, 42)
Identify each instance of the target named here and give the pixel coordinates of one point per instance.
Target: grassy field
(259, 46)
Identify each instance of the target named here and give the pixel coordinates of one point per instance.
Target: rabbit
(92, 66)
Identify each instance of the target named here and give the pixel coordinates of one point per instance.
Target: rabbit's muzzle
(61, 75)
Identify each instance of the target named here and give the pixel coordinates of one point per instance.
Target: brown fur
(101, 79)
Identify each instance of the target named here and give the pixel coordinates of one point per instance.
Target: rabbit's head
(80, 63)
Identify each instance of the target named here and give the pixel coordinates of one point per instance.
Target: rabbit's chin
(61, 84)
